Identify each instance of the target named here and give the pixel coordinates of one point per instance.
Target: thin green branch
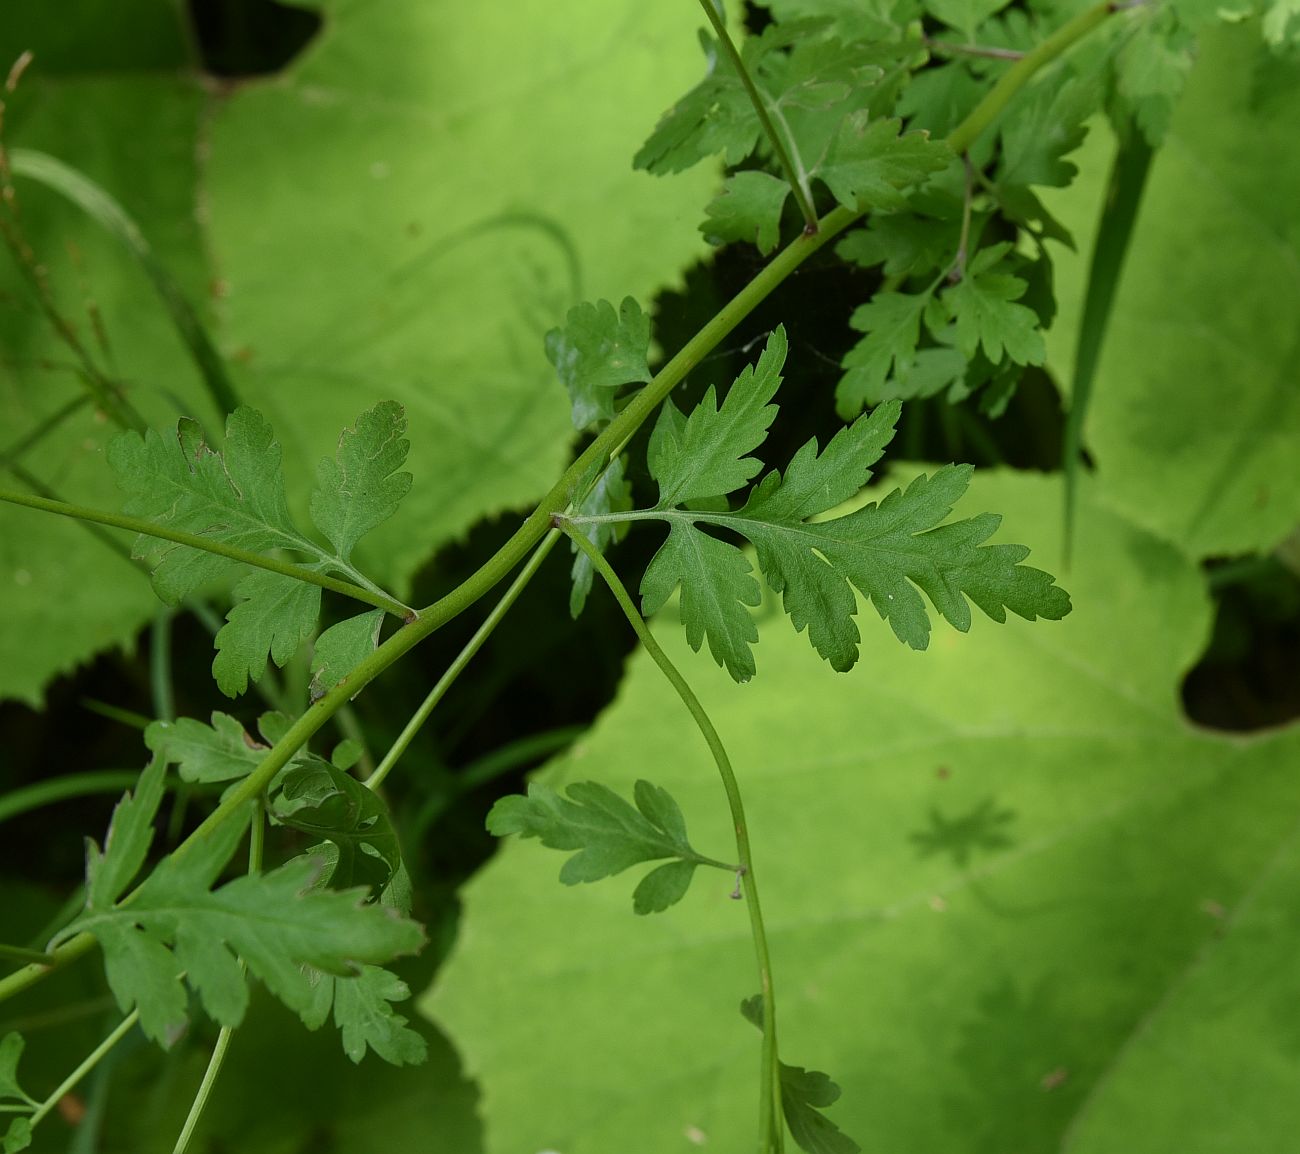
(256, 845)
(56, 789)
(607, 444)
(1019, 74)
(23, 954)
(795, 176)
(87, 1064)
(770, 1124)
(197, 541)
(463, 658)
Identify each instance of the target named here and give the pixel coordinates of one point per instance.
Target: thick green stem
(603, 448)
(771, 1134)
(463, 658)
(208, 545)
(794, 174)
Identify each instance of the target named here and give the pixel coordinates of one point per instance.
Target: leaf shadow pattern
(982, 829)
(1019, 1052)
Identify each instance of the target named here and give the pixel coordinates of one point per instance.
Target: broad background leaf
(1195, 409)
(402, 214)
(971, 998)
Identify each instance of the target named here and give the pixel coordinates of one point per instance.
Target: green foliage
(596, 352)
(804, 1094)
(222, 751)
(887, 551)
(11, 1051)
(237, 498)
(609, 835)
(320, 799)
(178, 931)
(953, 973)
(1067, 754)
(1215, 475)
(438, 296)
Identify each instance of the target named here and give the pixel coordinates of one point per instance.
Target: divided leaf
(365, 1017)
(804, 1094)
(596, 352)
(11, 1050)
(341, 648)
(272, 613)
(130, 834)
(608, 834)
(706, 454)
(178, 931)
(237, 498)
(890, 552)
(748, 208)
(869, 163)
(361, 488)
(983, 308)
(320, 799)
(222, 751)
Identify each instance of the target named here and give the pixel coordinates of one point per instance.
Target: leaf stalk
(770, 1123)
(794, 174)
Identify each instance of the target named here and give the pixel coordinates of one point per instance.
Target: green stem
(44, 793)
(87, 1064)
(794, 175)
(607, 444)
(256, 844)
(771, 1134)
(23, 954)
(463, 658)
(1019, 74)
(208, 545)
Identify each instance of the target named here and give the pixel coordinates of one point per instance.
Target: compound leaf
(596, 352)
(181, 483)
(748, 208)
(892, 322)
(130, 834)
(707, 455)
(890, 552)
(272, 613)
(320, 799)
(714, 116)
(364, 1014)
(804, 1095)
(341, 648)
(608, 833)
(178, 931)
(869, 163)
(11, 1050)
(222, 751)
(983, 306)
(360, 488)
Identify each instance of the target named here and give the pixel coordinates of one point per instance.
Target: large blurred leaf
(1195, 414)
(983, 867)
(403, 213)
